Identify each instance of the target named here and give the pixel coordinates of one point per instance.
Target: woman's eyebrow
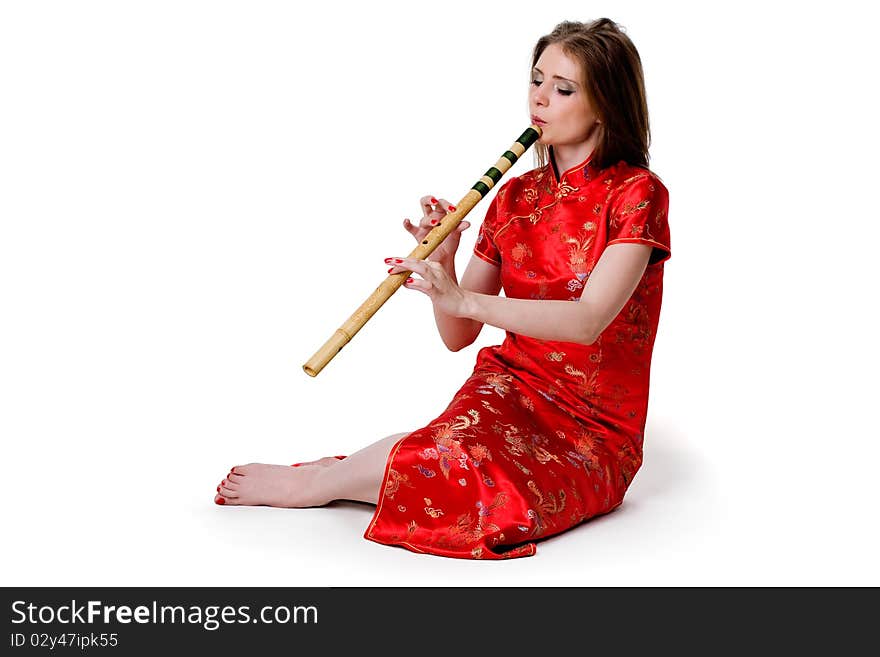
(558, 77)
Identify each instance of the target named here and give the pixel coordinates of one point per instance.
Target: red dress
(544, 434)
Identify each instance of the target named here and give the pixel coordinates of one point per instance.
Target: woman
(547, 431)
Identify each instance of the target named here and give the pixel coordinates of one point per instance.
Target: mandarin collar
(580, 172)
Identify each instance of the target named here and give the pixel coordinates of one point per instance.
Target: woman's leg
(357, 477)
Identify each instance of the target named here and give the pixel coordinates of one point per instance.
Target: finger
(420, 267)
(417, 231)
(411, 227)
(428, 203)
(433, 211)
(446, 205)
(399, 265)
(417, 284)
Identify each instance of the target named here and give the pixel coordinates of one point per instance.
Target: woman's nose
(539, 97)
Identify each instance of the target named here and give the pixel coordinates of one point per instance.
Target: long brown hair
(615, 87)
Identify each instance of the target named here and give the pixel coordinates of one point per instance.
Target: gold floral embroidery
(636, 231)
(500, 383)
(589, 445)
(543, 456)
(587, 387)
(522, 468)
(467, 529)
(536, 183)
(564, 190)
(395, 480)
(550, 505)
(629, 208)
(515, 445)
(519, 253)
(579, 253)
(480, 453)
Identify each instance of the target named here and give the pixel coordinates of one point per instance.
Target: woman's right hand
(433, 211)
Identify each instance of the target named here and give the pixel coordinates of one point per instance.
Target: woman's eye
(564, 92)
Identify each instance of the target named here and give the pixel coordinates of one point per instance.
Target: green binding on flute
(493, 175)
(430, 242)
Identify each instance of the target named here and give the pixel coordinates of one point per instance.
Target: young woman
(547, 431)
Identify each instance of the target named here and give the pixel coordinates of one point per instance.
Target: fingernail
(387, 259)
(391, 270)
(398, 260)
(452, 208)
(434, 201)
(409, 280)
(433, 222)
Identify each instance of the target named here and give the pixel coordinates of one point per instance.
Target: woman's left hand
(446, 295)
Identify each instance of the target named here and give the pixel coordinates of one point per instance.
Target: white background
(195, 195)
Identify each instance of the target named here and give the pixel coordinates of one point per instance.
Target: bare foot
(273, 485)
(327, 460)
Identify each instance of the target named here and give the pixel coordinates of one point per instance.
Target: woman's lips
(538, 121)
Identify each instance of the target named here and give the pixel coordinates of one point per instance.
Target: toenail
(220, 500)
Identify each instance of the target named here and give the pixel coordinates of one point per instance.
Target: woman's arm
(480, 277)
(609, 287)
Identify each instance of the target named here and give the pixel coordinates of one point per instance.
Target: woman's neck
(567, 156)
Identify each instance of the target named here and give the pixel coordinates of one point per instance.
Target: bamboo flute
(393, 282)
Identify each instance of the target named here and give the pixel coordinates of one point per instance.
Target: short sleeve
(639, 214)
(485, 247)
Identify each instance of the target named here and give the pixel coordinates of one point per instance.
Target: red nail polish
(220, 500)
(387, 259)
(409, 280)
(433, 222)
(391, 270)
(452, 208)
(434, 201)
(398, 260)
(218, 489)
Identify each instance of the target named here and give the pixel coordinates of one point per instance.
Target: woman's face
(561, 101)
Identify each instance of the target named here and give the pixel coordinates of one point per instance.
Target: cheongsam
(544, 434)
